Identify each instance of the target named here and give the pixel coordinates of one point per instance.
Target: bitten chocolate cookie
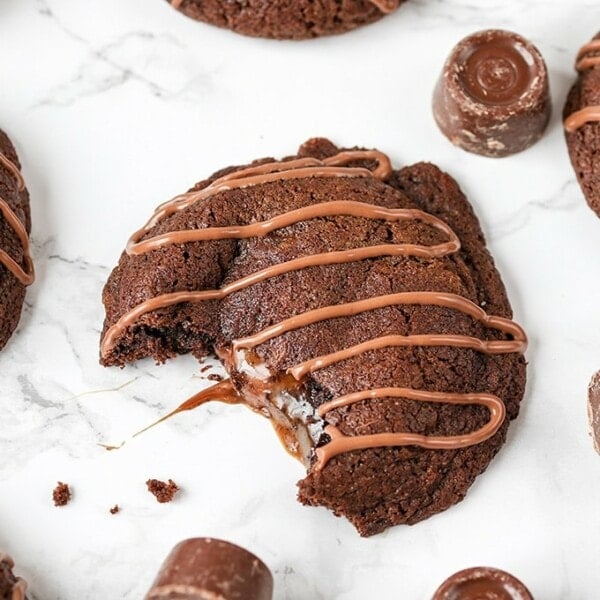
(287, 19)
(353, 304)
(11, 587)
(582, 122)
(16, 267)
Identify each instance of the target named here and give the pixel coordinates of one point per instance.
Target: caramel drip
(26, 275)
(220, 392)
(335, 166)
(265, 173)
(386, 6)
(590, 114)
(341, 443)
(584, 62)
(452, 301)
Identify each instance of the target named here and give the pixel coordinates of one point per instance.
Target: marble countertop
(117, 106)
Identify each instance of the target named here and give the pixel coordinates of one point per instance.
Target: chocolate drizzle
(513, 340)
(386, 6)
(589, 114)
(583, 62)
(25, 274)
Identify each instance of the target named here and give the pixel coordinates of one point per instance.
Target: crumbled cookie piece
(163, 492)
(61, 494)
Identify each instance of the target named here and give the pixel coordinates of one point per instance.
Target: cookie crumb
(115, 509)
(214, 377)
(61, 494)
(163, 492)
(206, 368)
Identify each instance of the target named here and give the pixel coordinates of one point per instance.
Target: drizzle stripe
(313, 211)
(420, 298)
(589, 114)
(583, 62)
(326, 258)
(268, 172)
(25, 275)
(341, 443)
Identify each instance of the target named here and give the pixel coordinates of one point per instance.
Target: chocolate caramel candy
(493, 97)
(11, 587)
(209, 569)
(482, 583)
(594, 410)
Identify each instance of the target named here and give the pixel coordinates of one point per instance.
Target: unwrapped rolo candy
(210, 569)
(493, 97)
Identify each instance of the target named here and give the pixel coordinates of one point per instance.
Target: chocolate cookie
(11, 587)
(16, 267)
(582, 122)
(353, 304)
(287, 19)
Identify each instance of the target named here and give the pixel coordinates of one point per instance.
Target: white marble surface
(116, 106)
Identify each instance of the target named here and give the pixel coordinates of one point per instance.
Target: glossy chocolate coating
(492, 97)
(209, 569)
(482, 583)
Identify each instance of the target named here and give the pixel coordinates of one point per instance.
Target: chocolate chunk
(482, 582)
(11, 587)
(164, 492)
(205, 569)
(594, 409)
(61, 494)
(492, 97)
(115, 509)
